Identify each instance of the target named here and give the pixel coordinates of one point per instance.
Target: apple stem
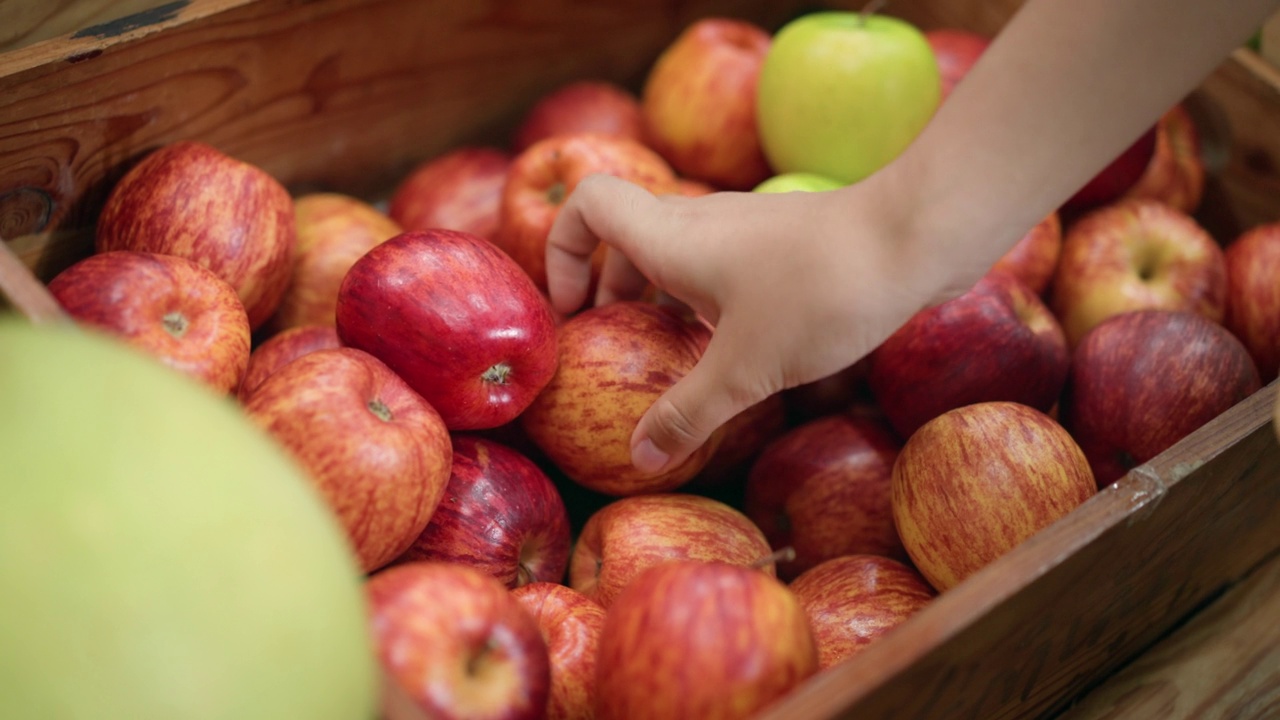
(556, 193)
(784, 554)
(175, 324)
(497, 374)
(379, 408)
(870, 9)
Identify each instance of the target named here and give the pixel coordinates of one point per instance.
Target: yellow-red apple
(1253, 295)
(691, 639)
(974, 482)
(1136, 255)
(459, 190)
(1034, 258)
(1176, 174)
(626, 536)
(282, 348)
(192, 200)
(585, 106)
(167, 306)
(570, 624)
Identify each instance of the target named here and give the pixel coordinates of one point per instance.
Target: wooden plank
(343, 95)
(1070, 605)
(25, 22)
(1224, 663)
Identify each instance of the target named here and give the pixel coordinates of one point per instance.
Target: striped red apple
(570, 624)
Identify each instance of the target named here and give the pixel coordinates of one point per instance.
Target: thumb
(719, 387)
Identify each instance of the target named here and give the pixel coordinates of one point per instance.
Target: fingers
(719, 387)
(619, 279)
(601, 208)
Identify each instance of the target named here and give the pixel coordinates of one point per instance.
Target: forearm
(1064, 89)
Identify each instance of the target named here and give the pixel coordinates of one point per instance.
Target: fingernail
(648, 458)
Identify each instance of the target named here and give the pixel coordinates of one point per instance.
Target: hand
(797, 285)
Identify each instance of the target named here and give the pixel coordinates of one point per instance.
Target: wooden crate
(347, 95)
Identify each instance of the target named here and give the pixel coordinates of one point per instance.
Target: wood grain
(1073, 603)
(24, 22)
(1224, 663)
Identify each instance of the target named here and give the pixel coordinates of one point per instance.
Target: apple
(853, 600)
(615, 362)
(691, 639)
(377, 452)
(974, 482)
(190, 199)
(997, 341)
(823, 489)
(459, 190)
(797, 182)
(699, 102)
(570, 624)
(1143, 380)
(500, 514)
(334, 231)
(1176, 174)
(1034, 258)
(956, 52)
(690, 188)
(628, 535)
(161, 558)
(1116, 179)
(835, 393)
(1253, 295)
(1136, 255)
(166, 306)
(742, 439)
(842, 93)
(457, 319)
(585, 106)
(457, 643)
(544, 175)
(282, 348)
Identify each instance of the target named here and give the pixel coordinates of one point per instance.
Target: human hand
(798, 286)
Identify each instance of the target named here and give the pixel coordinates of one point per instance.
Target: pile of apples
(410, 363)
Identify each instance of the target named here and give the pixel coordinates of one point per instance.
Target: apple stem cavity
(476, 662)
(556, 193)
(870, 9)
(497, 374)
(783, 554)
(175, 323)
(379, 408)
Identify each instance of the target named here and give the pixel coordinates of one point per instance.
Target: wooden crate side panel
(1042, 624)
(336, 94)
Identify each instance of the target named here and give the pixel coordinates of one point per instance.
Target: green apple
(160, 558)
(842, 93)
(802, 181)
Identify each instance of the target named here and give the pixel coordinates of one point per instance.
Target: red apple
(626, 536)
(1253, 295)
(1143, 380)
(956, 52)
(835, 393)
(699, 103)
(1116, 179)
(586, 106)
(457, 319)
(459, 190)
(615, 361)
(998, 341)
(500, 515)
(457, 643)
(167, 306)
(823, 489)
(693, 639)
(976, 481)
(570, 624)
(281, 349)
(1034, 258)
(376, 451)
(191, 200)
(1136, 255)
(546, 173)
(743, 438)
(853, 600)
(333, 232)
(1175, 176)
